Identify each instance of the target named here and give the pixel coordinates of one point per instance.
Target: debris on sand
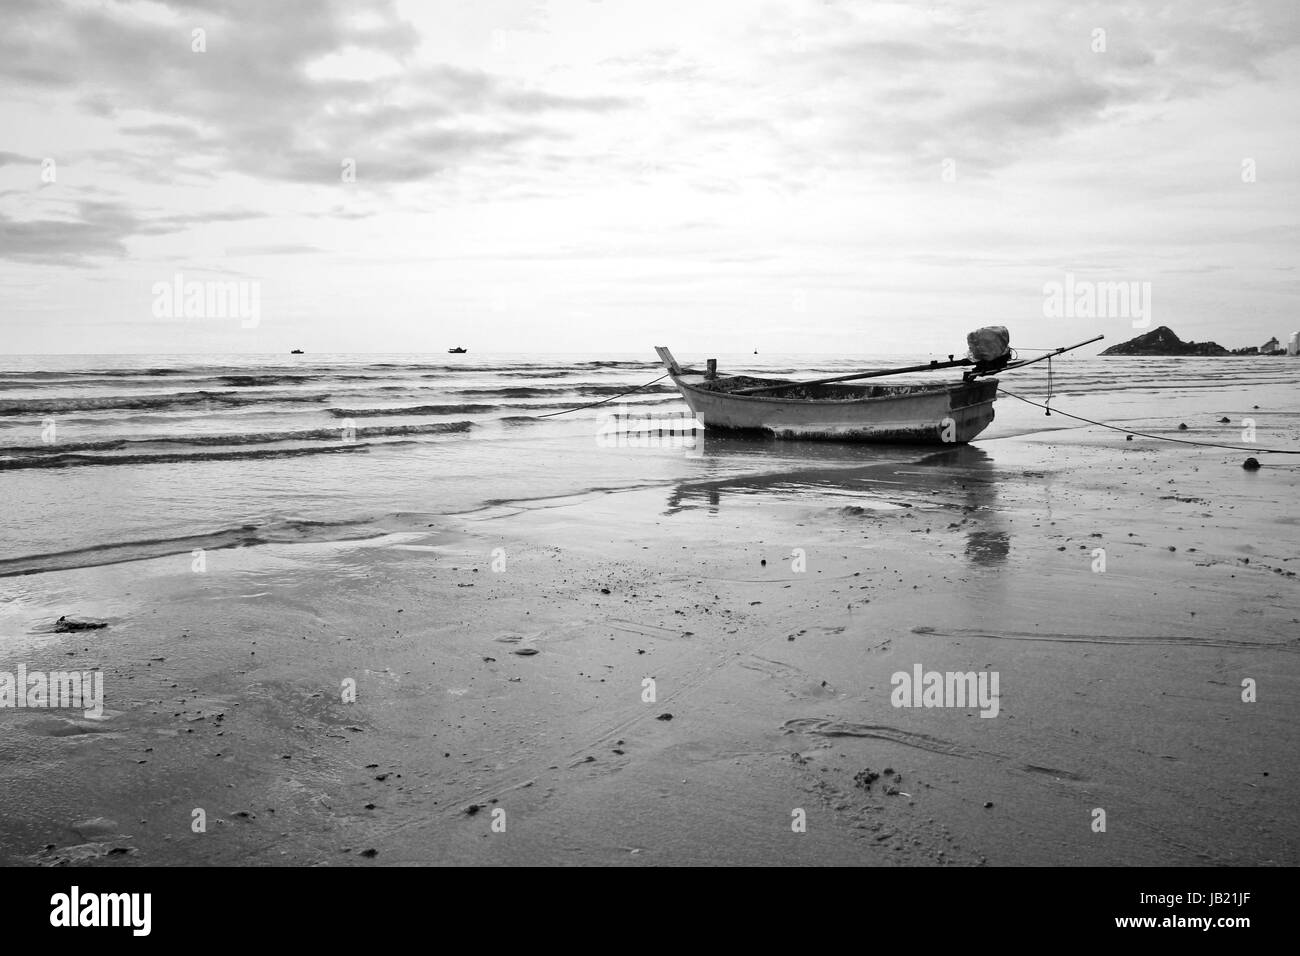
(81, 854)
(664, 717)
(65, 624)
(865, 777)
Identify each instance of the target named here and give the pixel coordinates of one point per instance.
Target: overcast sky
(608, 175)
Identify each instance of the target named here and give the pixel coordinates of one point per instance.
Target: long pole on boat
(930, 367)
(1051, 354)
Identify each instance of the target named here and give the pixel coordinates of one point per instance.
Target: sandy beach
(500, 660)
(573, 433)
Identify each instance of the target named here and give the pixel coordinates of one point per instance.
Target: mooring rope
(1051, 385)
(604, 400)
(1129, 431)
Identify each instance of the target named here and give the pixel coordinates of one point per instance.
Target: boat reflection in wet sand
(944, 413)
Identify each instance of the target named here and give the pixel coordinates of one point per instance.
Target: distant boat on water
(296, 352)
(458, 350)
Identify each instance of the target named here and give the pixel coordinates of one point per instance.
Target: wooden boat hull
(949, 413)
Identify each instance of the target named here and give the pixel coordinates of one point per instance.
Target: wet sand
(499, 660)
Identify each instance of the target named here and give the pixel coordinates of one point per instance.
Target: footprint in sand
(525, 644)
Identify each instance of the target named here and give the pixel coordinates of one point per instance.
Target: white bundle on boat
(989, 343)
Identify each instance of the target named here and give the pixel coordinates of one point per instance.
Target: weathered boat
(828, 409)
(911, 414)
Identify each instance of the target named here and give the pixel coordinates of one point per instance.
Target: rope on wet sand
(1129, 431)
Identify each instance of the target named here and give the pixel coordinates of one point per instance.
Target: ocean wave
(44, 406)
(412, 410)
(281, 531)
(247, 381)
(79, 459)
(541, 391)
(396, 411)
(238, 438)
(40, 375)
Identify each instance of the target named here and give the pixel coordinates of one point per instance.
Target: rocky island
(1164, 341)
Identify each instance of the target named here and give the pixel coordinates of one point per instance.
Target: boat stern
(970, 410)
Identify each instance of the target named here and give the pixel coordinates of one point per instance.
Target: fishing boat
(458, 350)
(829, 409)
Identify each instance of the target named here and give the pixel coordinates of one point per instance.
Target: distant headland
(1163, 341)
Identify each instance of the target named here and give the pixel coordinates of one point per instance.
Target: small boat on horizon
(458, 350)
(296, 352)
(827, 409)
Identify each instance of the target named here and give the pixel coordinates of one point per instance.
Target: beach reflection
(961, 480)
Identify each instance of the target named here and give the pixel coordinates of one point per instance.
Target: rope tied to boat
(606, 400)
(1051, 382)
(1129, 431)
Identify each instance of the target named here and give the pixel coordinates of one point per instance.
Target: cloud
(94, 229)
(802, 140)
(17, 159)
(252, 103)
